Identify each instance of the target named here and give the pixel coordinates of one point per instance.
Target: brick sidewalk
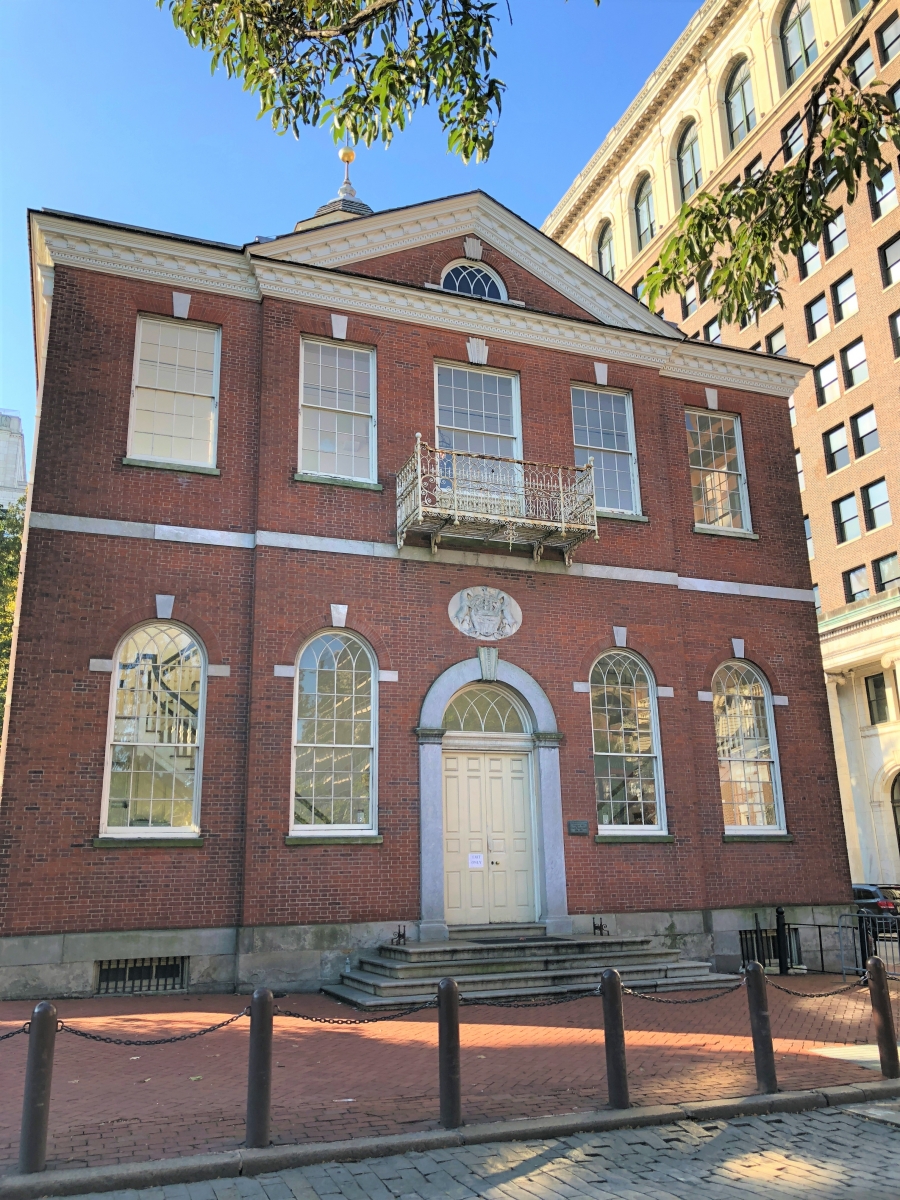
(120, 1103)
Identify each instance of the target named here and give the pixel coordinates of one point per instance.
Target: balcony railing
(493, 499)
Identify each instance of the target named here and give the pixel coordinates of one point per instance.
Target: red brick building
(315, 637)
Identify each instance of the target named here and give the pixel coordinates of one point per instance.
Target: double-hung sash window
(865, 432)
(477, 411)
(154, 756)
(716, 459)
(846, 518)
(604, 431)
(826, 380)
(837, 452)
(175, 394)
(876, 505)
(844, 298)
(337, 411)
(890, 262)
(836, 235)
(749, 778)
(883, 195)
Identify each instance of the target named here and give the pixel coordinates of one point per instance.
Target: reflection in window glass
(336, 435)
(887, 572)
(837, 452)
(476, 412)
(175, 393)
(846, 518)
(793, 138)
(826, 378)
(836, 235)
(889, 40)
(862, 67)
(483, 709)
(717, 483)
(844, 298)
(602, 424)
(798, 39)
(644, 215)
(809, 260)
(817, 319)
(623, 712)
(876, 505)
(606, 252)
(690, 176)
(776, 342)
(744, 742)
(739, 104)
(865, 432)
(876, 694)
(883, 195)
(856, 368)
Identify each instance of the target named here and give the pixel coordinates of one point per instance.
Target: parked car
(881, 900)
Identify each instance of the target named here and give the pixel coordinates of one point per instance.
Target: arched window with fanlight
(644, 215)
(749, 777)
(690, 174)
(473, 279)
(627, 757)
(335, 725)
(155, 749)
(798, 39)
(606, 254)
(483, 709)
(739, 106)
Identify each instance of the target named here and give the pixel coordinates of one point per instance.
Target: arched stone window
(155, 733)
(798, 39)
(895, 806)
(745, 743)
(335, 735)
(690, 175)
(627, 760)
(739, 106)
(473, 279)
(482, 709)
(644, 215)
(606, 254)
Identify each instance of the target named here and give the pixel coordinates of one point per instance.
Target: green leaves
(11, 525)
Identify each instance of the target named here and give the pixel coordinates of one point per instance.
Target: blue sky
(107, 111)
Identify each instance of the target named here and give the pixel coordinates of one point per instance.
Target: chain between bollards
(761, 1028)
(38, 1078)
(448, 1054)
(885, 1035)
(259, 1070)
(614, 1039)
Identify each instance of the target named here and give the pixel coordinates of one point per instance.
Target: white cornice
(746, 372)
(472, 214)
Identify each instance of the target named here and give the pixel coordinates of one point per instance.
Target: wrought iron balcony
(493, 499)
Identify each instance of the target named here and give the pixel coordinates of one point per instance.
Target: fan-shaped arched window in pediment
(472, 279)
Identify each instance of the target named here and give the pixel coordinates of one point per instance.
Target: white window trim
(337, 831)
(752, 831)
(637, 509)
(154, 832)
(483, 370)
(481, 266)
(662, 825)
(373, 386)
(747, 528)
(217, 357)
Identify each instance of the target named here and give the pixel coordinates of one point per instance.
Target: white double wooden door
(488, 849)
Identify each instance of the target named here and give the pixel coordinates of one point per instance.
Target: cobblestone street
(838, 1153)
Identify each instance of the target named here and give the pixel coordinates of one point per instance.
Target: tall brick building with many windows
(399, 570)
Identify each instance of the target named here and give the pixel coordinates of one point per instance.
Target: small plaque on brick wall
(578, 828)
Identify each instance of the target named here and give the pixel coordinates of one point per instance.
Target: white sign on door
(476, 860)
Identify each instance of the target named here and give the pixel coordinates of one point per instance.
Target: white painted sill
(746, 534)
(607, 514)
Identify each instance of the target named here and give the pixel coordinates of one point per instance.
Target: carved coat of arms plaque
(485, 613)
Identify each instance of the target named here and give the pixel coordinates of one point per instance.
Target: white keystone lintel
(665, 693)
(388, 676)
(101, 664)
(578, 686)
(218, 671)
(783, 700)
(737, 645)
(181, 304)
(164, 606)
(706, 697)
(284, 671)
(339, 616)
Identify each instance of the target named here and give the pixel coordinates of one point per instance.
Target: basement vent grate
(130, 975)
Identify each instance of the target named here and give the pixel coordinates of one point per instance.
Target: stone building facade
(730, 95)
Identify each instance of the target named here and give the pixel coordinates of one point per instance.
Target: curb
(232, 1163)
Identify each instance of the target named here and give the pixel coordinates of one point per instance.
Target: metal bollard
(880, 995)
(761, 1029)
(614, 1037)
(38, 1077)
(448, 1054)
(259, 1069)
(781, 937)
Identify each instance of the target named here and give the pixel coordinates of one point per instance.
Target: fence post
(761, 1029)
(781, 937)
(614, 1037)
(259, 1069)
(448, 1054)
(880, 995)
(38, 1077)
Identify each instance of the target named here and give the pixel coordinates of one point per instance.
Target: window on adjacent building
(792, 409)
(712, 331)
(865, 432)
(817, 598)
(470, 279)
(798, 39)
(817, 319)
(886, 571)
(754, 167)
(745, 743)
(846, 518)
(627, 764)
(155, 751)
(739, 104)
(644, 215)
(894, 323)
(606, 253)
(604, 431)
(334, 735)
(876, 504)
(793, 138)
(889, 40)
(801, 478)
(809, 260)
(716, 462)
(807, 529)
(876, 694)
(862, 67)
(337, 412)
(690, 175)
(478, 412)
(826, 379)
(856, 584)
(174, 396)
(837, 452)
(690, 301)
(889, 256)
(836, 235)
(776, 342)
(638, 290)
(856, 6)
(843, 298)
(853, 361)
(883, 195)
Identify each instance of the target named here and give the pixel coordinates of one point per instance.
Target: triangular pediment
(346, 244)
